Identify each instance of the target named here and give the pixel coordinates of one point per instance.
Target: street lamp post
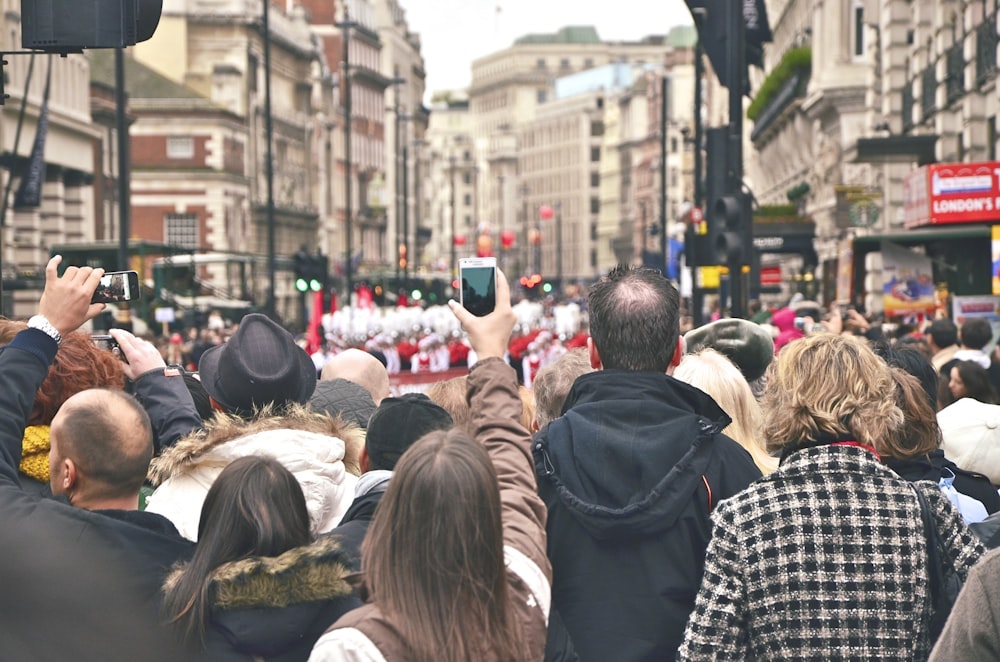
(454, 259)
(559, 247)
(346, 25)
(269, 164)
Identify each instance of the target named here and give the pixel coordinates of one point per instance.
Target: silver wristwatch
(45, 326)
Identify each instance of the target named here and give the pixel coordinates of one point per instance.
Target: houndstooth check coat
(825, 559)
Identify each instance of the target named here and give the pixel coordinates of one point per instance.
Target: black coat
(130, 551)
(629, 474)
(354, 526)
(275, 608)
(931, 467)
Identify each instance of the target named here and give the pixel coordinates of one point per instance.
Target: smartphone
(117, 286)
(107, 342)
(478, 276)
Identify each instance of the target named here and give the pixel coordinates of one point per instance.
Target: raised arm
(160, 388)
(496, 419)
(24, 363)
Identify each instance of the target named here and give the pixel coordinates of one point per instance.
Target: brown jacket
(973, 629)
(368, 634)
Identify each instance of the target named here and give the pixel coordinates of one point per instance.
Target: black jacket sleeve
(24, 363)
(168, 402)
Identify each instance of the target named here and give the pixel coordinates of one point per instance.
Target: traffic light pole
(697, 292)
(736, 65)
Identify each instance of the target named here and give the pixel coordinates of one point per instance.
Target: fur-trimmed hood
(310, 445)
(267, 605)
(226, 427)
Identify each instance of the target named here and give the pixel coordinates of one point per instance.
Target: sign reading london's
(947, 193)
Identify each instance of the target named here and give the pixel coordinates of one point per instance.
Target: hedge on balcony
(794, 60)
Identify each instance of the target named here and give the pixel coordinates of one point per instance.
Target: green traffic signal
(547, 288)
(315, 285)
(301, 285)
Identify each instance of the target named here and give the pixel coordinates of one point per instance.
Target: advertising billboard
(949, 193)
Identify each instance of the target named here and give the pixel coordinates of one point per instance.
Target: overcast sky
(455, 32)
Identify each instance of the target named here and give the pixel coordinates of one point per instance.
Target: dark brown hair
(919, 433)
(433, 558)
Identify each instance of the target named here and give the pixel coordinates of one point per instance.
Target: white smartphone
(478, 276)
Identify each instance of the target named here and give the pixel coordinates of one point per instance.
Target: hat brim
(208, 370)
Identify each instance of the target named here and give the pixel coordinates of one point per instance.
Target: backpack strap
(708, 488)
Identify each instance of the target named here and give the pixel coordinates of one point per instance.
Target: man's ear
(70, 477)
(595, 356)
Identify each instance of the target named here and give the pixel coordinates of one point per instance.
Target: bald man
(101, 445)
(363, 369)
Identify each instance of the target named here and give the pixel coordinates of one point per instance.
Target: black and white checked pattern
(825, 559)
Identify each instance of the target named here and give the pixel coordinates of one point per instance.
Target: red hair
(78, 366)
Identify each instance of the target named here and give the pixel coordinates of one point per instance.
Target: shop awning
(893, 149)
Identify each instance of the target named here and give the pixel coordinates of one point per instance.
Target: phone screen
(479, 289)
(117, 286)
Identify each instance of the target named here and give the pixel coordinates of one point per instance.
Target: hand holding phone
(478, 277)
(117, 286)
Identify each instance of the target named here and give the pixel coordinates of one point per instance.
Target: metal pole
(418, 202)
(269, 164)
(123, 161)
(348, 267)
(664, 118)
(693, 259)
(396, 182)
(735, 56)
(558, 247)
(502, 223)
(406, 212)
(454, 259)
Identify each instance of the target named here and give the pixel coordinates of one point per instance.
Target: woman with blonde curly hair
(826, 558)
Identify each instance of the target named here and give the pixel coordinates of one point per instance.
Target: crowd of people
(614, 490)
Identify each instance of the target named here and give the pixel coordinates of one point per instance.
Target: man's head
(975, 333)
(101, 445)
(553, 382)
(942, 333)
(362, 368)
(634, 321)
(258, 366)
(396, 425)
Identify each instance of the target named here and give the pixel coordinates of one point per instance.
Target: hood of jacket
(265, 605)
(225, 427)
(306, 443)
(629, 450)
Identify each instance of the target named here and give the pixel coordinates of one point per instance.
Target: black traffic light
(60, 26)
(302, 266)
(318, 274)
(732, 215)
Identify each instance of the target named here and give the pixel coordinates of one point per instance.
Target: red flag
(314, 338)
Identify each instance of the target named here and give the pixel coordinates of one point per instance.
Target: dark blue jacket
(629, 474)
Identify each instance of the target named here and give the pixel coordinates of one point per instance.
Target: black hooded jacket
(931, 467)
(629, 474)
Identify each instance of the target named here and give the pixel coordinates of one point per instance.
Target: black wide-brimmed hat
(260, 364)
(747, 344)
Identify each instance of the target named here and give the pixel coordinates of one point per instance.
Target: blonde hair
(451, 395)
(716, 375)
(829, 385)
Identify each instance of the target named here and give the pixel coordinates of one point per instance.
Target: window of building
(595, 153)
(540, 63)
(467, 200)
(858, 30)
(593, 258)
(588, 63)
(564, 63)
(540, 96)
(181, 230)
(597, 128)
(593, 231)
(467, 177)
(180, 147)
(673, 145)
(595, 205)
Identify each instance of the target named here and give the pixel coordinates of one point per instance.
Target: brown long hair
(433, 558)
